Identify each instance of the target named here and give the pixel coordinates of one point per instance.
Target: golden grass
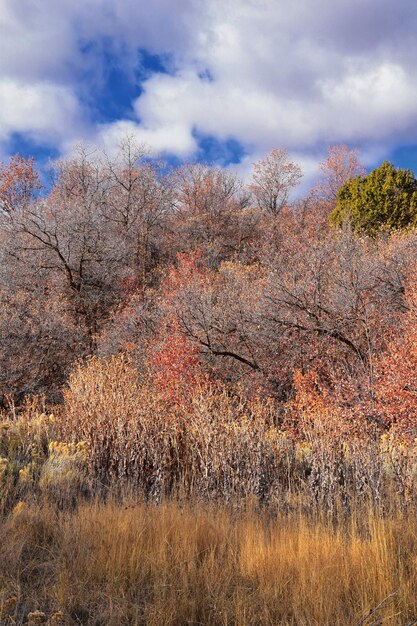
(120, 564)
(252, 528)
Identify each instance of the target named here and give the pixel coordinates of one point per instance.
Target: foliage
(214, 444)
(196, 336)
(385, 199)
(394, 401)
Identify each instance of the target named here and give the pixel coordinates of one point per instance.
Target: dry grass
(172, 565)
(252, 528)
(218, 445)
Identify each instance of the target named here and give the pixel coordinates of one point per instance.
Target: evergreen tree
(385, 199)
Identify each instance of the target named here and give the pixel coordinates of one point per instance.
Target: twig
(376, 608)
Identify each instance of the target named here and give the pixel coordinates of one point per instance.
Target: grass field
(179, 564)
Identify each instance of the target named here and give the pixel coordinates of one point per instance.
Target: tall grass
(125, 508)
(217, 445)
(115, 434)
(176, 565)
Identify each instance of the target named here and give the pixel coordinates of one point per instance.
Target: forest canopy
(200, 279)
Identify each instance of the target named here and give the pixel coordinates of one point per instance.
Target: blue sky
(217, 80)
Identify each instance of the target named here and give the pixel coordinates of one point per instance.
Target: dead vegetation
(174, 565)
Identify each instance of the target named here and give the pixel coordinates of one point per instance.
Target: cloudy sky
(217, 80)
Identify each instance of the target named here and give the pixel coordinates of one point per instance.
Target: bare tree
(273, 178)
(211, 214)
(139, 198)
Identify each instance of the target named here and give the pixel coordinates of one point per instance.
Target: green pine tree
(385, 199)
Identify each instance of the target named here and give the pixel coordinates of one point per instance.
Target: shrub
(386, 199)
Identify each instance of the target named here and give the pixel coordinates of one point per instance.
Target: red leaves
(175, 360)
(189, 265)
(176, 365)
(396, 376)
(325, 403)
(384, 398)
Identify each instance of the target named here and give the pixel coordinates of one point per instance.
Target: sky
(222, 81)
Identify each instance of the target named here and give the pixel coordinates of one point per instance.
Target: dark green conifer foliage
(384, 200)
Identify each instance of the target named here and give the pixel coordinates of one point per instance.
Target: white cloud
(379, 100)
(265, 72)
(167, 138)
(43, 111)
